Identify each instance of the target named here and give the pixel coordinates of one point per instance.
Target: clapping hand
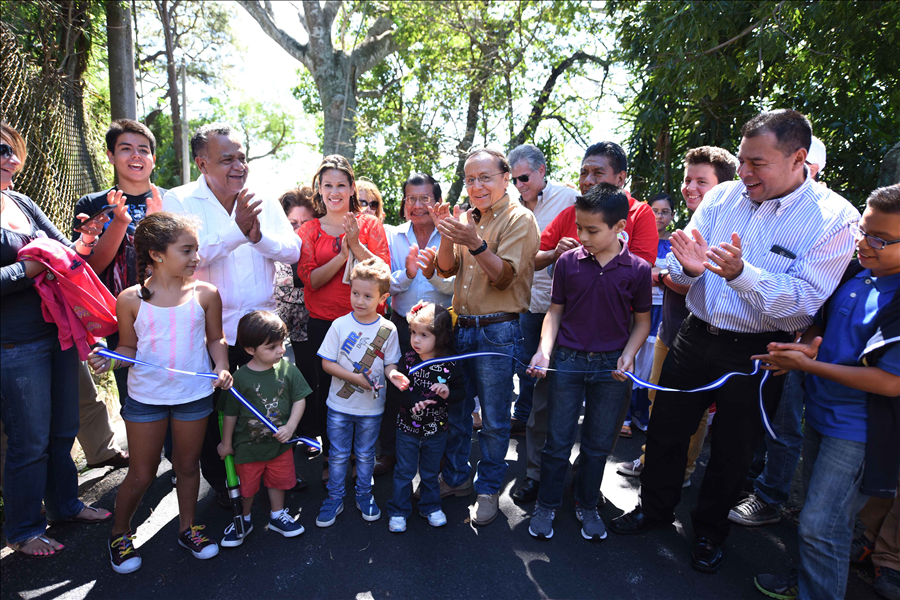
(464, 234)
(246, 215)
(154, 203)
(351, 229)
(727, 258)
(412, 262)
(691, 253)
(426, 261)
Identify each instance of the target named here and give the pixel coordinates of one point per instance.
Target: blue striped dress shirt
(774, 292)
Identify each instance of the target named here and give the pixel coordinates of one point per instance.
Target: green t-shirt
(273, 392)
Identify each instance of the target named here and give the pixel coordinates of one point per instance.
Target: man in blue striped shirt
(762, 256)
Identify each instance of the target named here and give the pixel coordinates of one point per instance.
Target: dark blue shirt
(831, 408)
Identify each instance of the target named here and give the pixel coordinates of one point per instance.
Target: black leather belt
(476, 321)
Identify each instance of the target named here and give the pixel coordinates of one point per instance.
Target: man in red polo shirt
(603, 162)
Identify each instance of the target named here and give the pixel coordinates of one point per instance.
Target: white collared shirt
(244, 273)
(406, 292)
(776, 291)
(551, 201)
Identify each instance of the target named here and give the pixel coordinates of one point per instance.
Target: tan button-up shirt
(512, 233)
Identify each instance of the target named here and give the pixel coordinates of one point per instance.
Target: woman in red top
(342, 234)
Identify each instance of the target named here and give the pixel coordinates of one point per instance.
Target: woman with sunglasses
(39, 380)
(340, 237)
(370, 202)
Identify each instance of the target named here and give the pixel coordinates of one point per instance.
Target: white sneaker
(436, 519)
(631, 468)
(397, 524)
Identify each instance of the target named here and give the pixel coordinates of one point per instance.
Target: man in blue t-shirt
(842, 447)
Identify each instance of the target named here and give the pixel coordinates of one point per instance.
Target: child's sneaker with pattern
(123, 555)
(200, 546)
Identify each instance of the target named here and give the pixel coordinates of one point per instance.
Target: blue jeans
(604, 397)
(351, 432)
(832, 472)
(773, 485)
(531, 324)
(491, 379)
(422, 453)
(39, 385)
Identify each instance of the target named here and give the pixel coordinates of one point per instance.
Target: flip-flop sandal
(77, 519)
(625, 432)
(18, 547)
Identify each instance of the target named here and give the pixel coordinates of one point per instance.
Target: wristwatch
(661, 276)
(481, 249)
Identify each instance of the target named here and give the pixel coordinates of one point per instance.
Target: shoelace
(589, 516)
(123, 544)
(195, 535)
(284, 518)
(753, 506)
(545, 513)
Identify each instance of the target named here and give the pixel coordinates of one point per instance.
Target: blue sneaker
(436, 519)
(285, 525)
(331, 508)
(366, 504)
(231, 539)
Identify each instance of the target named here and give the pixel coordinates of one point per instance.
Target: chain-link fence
(64, 148)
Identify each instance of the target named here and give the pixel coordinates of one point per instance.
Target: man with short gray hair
(545, 200)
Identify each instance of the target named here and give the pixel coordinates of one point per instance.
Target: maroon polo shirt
(599, 300)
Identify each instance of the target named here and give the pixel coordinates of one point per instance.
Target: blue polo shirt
(833, 409)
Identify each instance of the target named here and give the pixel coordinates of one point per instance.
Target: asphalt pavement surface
(357, 559)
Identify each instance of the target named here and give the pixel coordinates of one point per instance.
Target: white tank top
(172, 337)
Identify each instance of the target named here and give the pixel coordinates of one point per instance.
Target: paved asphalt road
(356, 559)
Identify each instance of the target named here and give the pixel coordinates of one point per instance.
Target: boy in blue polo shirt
(603, 284)
(848, 445)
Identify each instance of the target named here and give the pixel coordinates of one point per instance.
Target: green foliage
(167, 173)
(267, 128)
(701, 69)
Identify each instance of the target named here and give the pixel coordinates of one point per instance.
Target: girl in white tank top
(175, 321)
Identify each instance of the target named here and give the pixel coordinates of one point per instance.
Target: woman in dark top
(38, 380)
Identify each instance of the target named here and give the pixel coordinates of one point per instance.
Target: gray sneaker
(592, 527)
(753, 511)
(541, 525)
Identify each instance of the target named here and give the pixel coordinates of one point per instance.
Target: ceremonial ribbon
(262, 418)
(637, 380)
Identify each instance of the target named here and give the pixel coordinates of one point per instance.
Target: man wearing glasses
(545, 199)
(490, 249)
(413, 248)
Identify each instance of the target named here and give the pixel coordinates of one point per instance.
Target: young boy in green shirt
(278, 390)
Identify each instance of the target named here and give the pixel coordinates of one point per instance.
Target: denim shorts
(138, 412)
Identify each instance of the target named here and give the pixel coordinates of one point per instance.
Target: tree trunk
(122, 97)
(466, 143)
(165, 18)
(890, 167)
(339, 104)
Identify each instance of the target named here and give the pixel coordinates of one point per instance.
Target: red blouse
(332, 300)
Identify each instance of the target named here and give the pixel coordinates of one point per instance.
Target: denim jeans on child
(603, 397)
(832, 474)
(531, 324)
(351, 432)
(773, 485)
(422, 453)
(491, 379)
(40, 418)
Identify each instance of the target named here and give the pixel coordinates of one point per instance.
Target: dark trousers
(315, 418)
(306, 360)
(211, 465)
(387, 437)
(697, 358)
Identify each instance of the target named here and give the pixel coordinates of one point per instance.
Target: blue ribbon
(637, 380)
(262, 418)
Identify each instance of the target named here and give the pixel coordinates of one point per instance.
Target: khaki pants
(660, 350)
(881, 516)
(94, 432)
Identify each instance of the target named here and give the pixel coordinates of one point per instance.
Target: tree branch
(264, 17)
(275, 147)
(378, 43)
(378, 93)
(540, 104)
(152, 57)
(744, 32)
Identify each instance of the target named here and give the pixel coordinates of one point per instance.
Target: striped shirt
(244, 273)
(774, 292)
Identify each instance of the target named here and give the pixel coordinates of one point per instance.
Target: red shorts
(277, 473)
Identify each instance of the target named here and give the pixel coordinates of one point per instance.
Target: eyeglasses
(483, 179)
(876, 242)
(522, 178)
(6, 151)
(662, 213)
(373, 204)
(423, 200)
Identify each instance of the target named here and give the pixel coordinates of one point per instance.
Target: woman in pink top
(343, 234)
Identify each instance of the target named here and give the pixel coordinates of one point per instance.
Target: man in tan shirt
(490, 248)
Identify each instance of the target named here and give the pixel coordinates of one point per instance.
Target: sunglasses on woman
(6, 151)
(373, 204)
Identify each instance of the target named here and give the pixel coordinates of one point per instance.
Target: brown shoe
(384, 464)
(476, 421)
(460, 491)
(486, 508)
(118, 461)
(516, 427)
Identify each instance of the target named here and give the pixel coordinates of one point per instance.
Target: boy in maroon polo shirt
(602, 284)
